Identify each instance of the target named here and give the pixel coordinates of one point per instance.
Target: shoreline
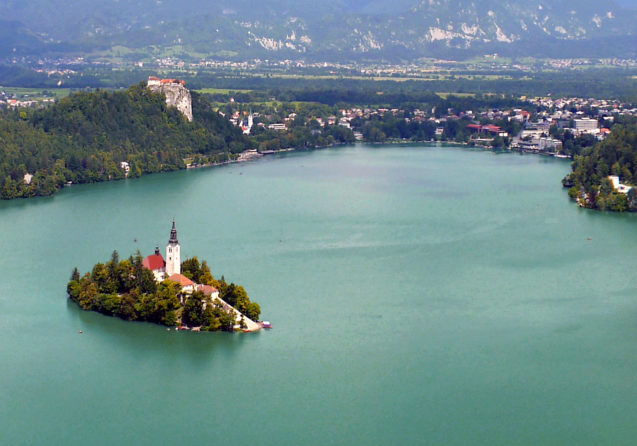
(259, 155)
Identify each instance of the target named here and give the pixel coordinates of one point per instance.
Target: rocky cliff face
(176, 96)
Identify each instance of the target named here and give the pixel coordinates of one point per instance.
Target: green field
(36, 93)
(459, 95)
(221, 90)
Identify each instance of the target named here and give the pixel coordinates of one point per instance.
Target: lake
(419, 295)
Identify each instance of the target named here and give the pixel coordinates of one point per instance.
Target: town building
(586, 125)
(248, 128)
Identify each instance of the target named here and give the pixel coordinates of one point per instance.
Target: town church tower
(173, 254)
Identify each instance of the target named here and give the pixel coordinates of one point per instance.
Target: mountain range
(329, 30)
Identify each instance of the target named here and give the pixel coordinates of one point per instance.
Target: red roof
(153, 78)
(181, 280)
(173, 81)
(208, 290)
(154, 262)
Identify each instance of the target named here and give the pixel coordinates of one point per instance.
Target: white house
(619, 187)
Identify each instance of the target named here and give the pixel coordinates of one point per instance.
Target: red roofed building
(154, 81)
(187, 285)
(156, 264)
(208, 291)
(491, 128)
(172, 81)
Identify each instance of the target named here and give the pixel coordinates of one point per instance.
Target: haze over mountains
(331, 30)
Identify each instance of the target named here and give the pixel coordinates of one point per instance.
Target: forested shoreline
(109, 135)
(589, 182)
(86, 137)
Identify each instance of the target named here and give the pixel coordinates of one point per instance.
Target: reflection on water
(146, 339)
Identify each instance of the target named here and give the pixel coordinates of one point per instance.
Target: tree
(206, 276)
(193, 313)
(606, 187)
(88, 293)
(253, 311)
(192, 269)
(632, 199)
(101, 277)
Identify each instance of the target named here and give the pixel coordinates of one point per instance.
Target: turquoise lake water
(419, 295)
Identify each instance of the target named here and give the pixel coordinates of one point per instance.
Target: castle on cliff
(177, 95)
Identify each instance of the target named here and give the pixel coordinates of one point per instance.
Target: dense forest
(617, 155)
(85, 137)
(127, 290)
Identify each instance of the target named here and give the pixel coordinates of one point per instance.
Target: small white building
(277, 126)
(619, 187)
(248, 128)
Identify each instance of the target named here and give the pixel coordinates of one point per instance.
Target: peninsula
(165, 291)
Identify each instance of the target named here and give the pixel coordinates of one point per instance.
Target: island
(165, 291)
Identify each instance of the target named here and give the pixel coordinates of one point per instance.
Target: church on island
(170, 268)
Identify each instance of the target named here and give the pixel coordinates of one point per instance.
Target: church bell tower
(173, 254)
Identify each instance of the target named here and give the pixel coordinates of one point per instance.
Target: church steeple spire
(173, 235)
(173, 253)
